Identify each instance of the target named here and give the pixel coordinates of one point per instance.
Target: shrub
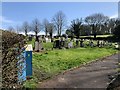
(11, 48)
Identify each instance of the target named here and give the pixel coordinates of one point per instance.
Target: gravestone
(74, 39)
(56, 43)
(40, 44)
(87, 42)
(91, 44)
(46, 39)
(36, 46)
(70, 44)
(81, 43)
(30, 38)
(77, 42)
(66, 43)
(116, 46)
(62, 42)
(101, 44)
(98, 43)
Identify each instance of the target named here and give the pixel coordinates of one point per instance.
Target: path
(93, 75)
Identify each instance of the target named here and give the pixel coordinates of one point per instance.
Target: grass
(50, 63)
(48, 45)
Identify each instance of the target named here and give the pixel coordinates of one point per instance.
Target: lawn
(50, 63)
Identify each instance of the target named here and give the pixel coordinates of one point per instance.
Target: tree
(26, 28)
(85, 30)
(117, 32)
(76, 26)
(69, 32)
(95, 21)
(45, 25)
(36, 27)
(50, 29)
(59, 20)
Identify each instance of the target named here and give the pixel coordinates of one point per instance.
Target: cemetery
(90, 45)
(41, 57)
(58, 56)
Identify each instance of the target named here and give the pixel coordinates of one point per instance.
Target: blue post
(28, 63)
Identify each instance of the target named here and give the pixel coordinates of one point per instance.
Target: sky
(15, 13)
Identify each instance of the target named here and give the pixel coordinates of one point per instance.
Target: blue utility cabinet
(28, 63)
(29, 50)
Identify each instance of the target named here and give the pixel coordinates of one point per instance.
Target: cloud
(5, 20)
(114, 16)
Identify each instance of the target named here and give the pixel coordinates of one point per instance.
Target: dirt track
(93, 75)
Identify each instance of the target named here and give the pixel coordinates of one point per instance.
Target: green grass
(48, 45)
(50, 63)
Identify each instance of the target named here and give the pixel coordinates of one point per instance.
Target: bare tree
(95, 20)
(59, 21)
(45, 25)
(50, 29)
(25, 28)
(36, 27)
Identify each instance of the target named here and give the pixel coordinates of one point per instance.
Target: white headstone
(70, 44)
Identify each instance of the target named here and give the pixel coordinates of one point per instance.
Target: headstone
(98, 43)
(36, 46)
(116, 46)
(56, 43)
(30, 38)
(87, 42)
(77, 42)
(101, 44)
(66, 43)
(91, 44)
(74, 39)
(62, 42)
(81, 43)
(70, 44)
(40, 44)
(46, 39)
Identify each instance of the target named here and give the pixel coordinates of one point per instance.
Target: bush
(11, 48)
